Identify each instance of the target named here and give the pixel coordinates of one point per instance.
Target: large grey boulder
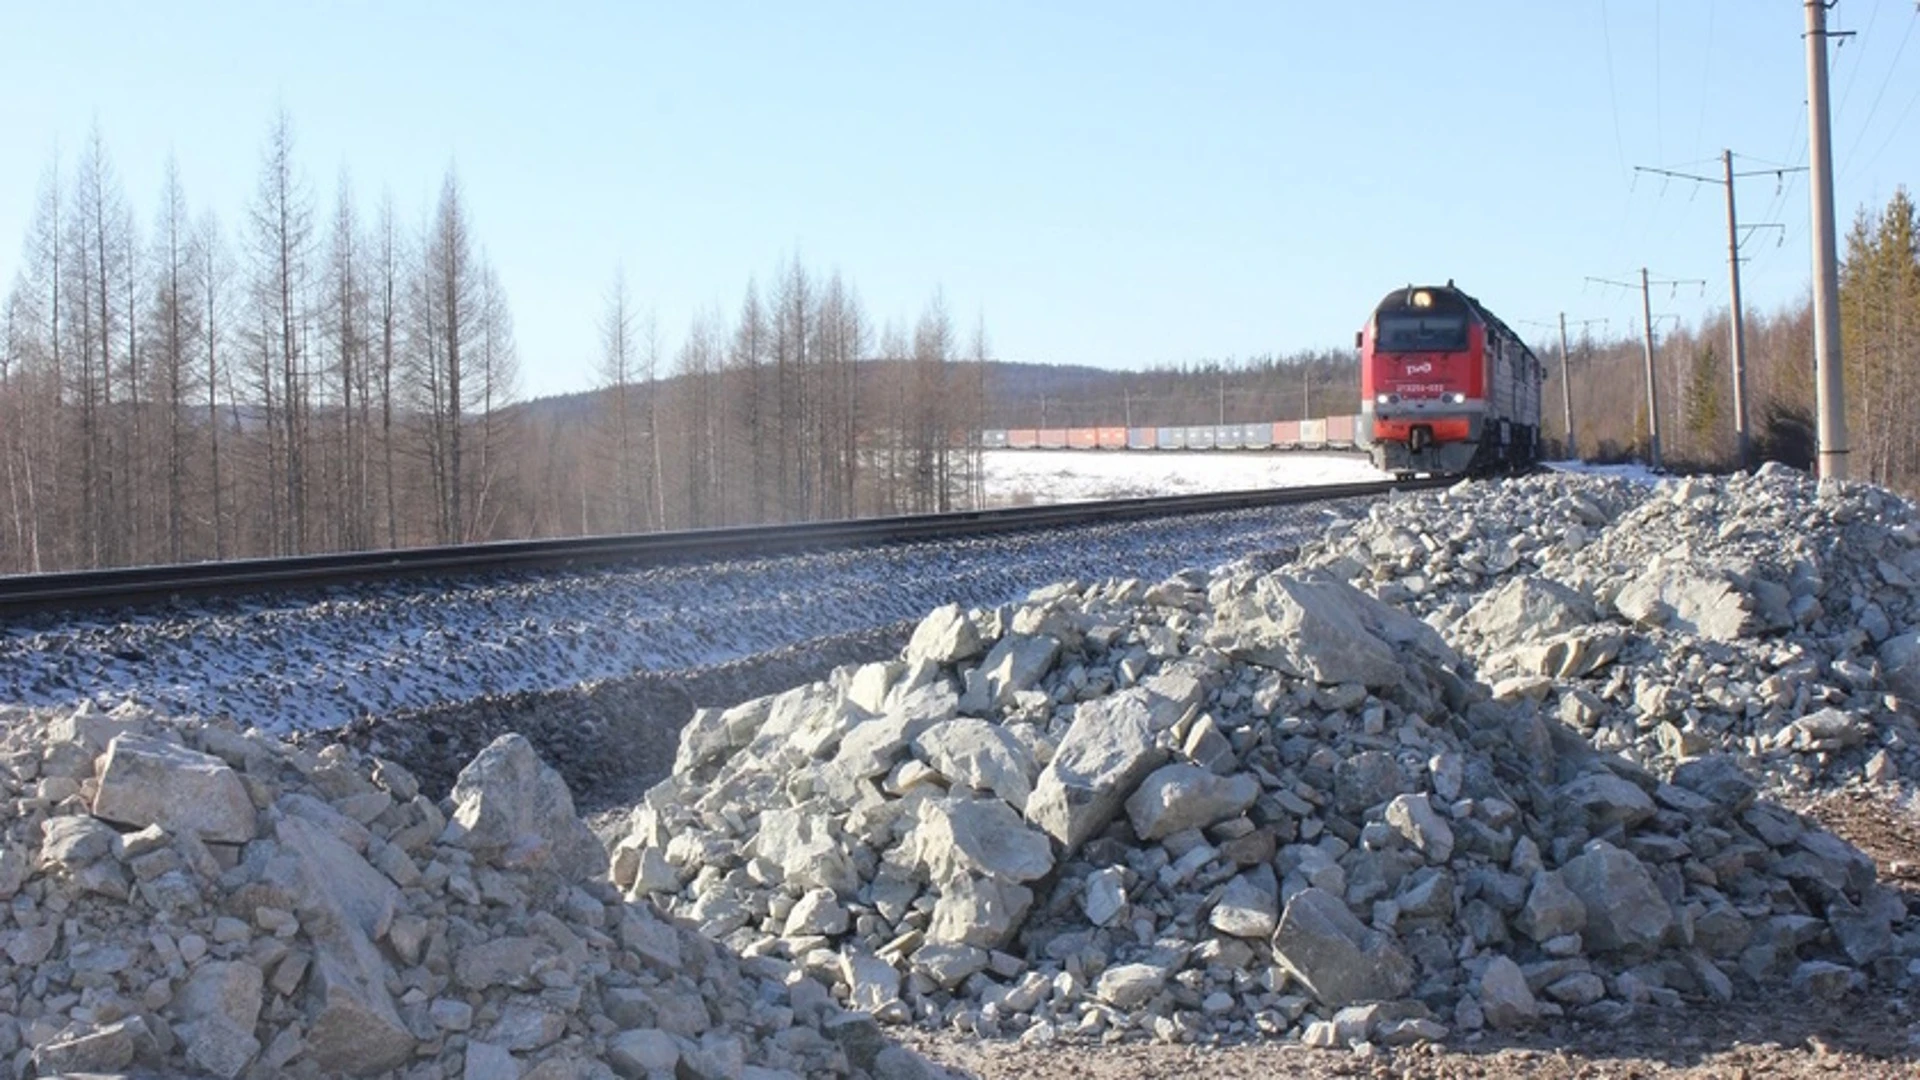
(1718, 778)
(1699, 601)
(344, 905)
(512, 803)
(1527, 608)
(1505, 998)
(1415, 819)
(873, 747)
(1900, 665)
(1245, 910)
(149, 781)
(1337, 958)
(1552, 909)
(977, 836)
(712, 734)
(1017, 662)
(1184, 796)
(1601, 800)
(945, 636)
(1129, 986)
(807, 849)
(1625, 910)
(1365, 780)
(219, 1006)
(1320, 629)
(979, 755)
(979, 911)
(1110, 747)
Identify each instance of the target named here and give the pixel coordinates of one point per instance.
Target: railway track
(148, 586)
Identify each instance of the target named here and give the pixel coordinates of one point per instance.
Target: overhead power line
(1736, 332)
(1646, 315)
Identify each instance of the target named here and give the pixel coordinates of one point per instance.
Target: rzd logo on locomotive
(1422, 368)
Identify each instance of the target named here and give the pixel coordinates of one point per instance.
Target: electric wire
(1873, 109)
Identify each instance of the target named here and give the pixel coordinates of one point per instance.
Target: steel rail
(147, 586)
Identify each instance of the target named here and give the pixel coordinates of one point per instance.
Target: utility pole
(1566, 374)
(1737, 335)
(1829, 388)
(1223, 399)
(1653, 375)
(1566, 390)
(1126, 404)
(1653, 383)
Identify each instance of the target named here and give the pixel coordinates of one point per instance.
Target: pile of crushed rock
(1267, 802)
(191, 900)
(1760, 614)
(1477, 759)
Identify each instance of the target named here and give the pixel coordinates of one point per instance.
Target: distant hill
(1028, 394)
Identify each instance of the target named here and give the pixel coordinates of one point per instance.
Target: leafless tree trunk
(214, 273)
(345, 292)
(283, 229)
(172, 329)
(388, 298)
(748, 361)
(453, 285)
(619, 374)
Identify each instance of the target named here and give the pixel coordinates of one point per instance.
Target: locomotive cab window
(1421, 333)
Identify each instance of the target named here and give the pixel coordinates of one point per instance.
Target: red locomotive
(1445, 386)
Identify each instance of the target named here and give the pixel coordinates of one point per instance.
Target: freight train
(1445, 387)
(1326, 433)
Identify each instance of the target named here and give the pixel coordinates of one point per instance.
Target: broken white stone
(1183, 796)
(510, 801)
(150, 781)
(1108, 750)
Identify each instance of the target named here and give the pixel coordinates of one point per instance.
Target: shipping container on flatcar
(1142, 438)
(1286, 434)
(1171, 438)
(1256, 436)
(1053, 438)
(1025, 438)
(1340, 431)
(1199, 438)
(993, 440)
(1111, 438)
(1082, 438)
(1313, 434)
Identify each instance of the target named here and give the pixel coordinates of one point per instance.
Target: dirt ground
(1872, 1035)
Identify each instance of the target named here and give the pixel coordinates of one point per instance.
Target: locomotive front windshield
(1421, 333)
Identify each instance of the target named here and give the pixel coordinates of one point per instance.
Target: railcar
(1446, 388)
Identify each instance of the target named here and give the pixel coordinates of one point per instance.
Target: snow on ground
(1632, 470)
(1053, 476)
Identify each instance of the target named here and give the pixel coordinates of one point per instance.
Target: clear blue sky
(1117, 184)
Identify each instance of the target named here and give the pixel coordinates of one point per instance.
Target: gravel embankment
(314, 663)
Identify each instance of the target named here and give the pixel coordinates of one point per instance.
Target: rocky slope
(1263, 801)
(188, 900)
(1475, 760)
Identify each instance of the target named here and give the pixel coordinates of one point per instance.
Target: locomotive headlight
(1380, 399)
(1457, 399)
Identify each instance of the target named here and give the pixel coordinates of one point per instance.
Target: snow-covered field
(1053, 476)
(298, 664)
